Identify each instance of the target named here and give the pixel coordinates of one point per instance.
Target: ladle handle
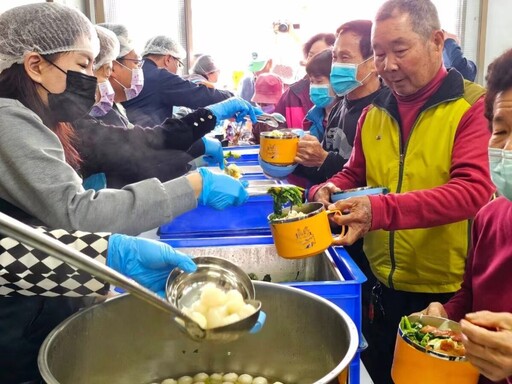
(29, 236)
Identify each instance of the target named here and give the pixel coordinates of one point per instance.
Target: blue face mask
(344, 77)
(320, 95)
(500, 164)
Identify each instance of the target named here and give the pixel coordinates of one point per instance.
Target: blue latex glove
(213, 153)
(220, 190)
(235, 107)
(146, 261)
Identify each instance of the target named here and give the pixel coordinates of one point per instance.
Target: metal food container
(429, 367)
(306, 339)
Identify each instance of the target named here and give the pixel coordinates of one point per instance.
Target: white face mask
(136, 84)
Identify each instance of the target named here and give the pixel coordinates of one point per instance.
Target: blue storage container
(248, 219)
(247, 153)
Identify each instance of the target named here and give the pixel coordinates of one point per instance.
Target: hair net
(45, 28)
(109, 47)
(204, 65)
(163, 45)
(125, 43)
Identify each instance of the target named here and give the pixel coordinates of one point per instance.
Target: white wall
(498, 31)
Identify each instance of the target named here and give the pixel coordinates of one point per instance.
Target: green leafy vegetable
(282, 196)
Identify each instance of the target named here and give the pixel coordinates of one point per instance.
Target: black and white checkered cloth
(29, 272)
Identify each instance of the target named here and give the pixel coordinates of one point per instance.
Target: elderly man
(149, 95)
(425, 139)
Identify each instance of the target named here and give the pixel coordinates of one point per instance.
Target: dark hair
(320, 64)
(422, 14)
(363, 29)
(328, 38)
(499, 79)
(16, 84)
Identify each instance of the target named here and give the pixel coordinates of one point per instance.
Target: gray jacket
(36, 179)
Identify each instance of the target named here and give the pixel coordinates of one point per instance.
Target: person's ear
(107, 70)
(114, 69)
(168, 60)
(34, 66)
(438, 40)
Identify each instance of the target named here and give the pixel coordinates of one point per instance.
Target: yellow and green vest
(426, 259)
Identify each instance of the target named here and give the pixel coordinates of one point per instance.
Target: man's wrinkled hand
(356, 216)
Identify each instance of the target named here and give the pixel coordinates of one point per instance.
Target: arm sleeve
(353, 174)
(468, 189)
(332, 164)
(454, 58)
(28, 271)
(37, 179)
(462, 302)
(130, 155)
(173, 87)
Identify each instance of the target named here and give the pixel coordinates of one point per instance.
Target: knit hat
(268, 89)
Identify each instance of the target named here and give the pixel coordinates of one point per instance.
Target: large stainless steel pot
(306, 339)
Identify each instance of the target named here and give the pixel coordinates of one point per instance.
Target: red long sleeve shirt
(469, 188)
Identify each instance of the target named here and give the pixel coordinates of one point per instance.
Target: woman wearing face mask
(483, 304)
(321, 94)
(46, 57)
(118, 153)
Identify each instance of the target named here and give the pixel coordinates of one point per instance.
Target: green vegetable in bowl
(443, 341)
(230, 154)
(283, 196)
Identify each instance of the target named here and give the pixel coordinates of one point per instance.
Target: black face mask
(77, 99)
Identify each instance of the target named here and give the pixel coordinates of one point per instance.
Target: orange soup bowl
(413, 363)
(305, 236)
(279, 150)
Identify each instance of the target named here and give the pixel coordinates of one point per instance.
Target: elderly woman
(47, 53)
(483, 303)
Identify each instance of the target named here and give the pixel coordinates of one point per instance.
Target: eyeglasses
(179, 62)
(138, 62)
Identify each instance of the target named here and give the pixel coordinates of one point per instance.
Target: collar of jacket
(316, 115)
(451, 88)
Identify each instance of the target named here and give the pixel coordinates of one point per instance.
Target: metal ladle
(29, 236)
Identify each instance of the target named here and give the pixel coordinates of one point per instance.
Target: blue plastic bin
(248, 219)
(247, 153)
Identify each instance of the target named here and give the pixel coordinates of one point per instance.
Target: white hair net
(163, 45)
(45, 28)
(125, 42)
(204, 65)
(109, 47)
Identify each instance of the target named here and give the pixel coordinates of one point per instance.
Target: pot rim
(291, 220)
